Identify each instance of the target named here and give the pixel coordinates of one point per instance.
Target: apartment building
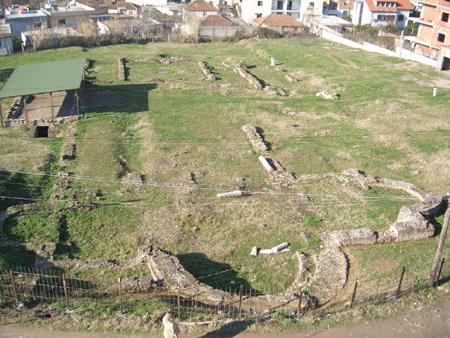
(253, 9)
(433, 35)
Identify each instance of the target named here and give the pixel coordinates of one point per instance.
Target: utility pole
(438, 257)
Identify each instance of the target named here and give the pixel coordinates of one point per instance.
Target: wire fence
(29, 287)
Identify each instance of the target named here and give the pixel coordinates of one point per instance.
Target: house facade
(68, 16)
(281, 23)
(6, 45)
(253, 9)
(25, 20)
(381, 12)
(433, 35)
(199, 9)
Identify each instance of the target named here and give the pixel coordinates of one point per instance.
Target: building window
(61, 22)
(259, 3)
(289, 6)
(311, 5)
(444, 17)
(401, 17)
(441, 37)
(279, 5)
(258, 15)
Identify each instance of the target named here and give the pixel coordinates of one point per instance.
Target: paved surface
(426, 323)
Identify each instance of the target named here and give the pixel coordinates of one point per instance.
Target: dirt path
(434, 322)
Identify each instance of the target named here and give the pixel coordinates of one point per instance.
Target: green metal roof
(39, 78)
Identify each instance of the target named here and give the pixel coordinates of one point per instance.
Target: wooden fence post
(399, 286)
(66, 296)
(440, 270)
(14, 289)
(437, 258)
(354, 293)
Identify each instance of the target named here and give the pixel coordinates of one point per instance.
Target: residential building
(381, 12)
(253, 9)
(340, 8)
(155, 3)
(67, 16)
(23, 19)
(123, 8)
(200, 9)
(6, 45)
(433, 35)
(281, 23)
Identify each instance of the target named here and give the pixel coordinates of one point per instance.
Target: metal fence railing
(25, 286)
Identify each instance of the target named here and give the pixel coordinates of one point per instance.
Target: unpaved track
(426, 323)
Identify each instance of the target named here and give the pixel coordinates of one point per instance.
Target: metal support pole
(399, 286)
(1, 115)
(77, 102)
(354, 293)
(51, 103)
(25, 109)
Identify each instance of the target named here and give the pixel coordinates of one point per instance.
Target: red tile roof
(216, 20)
(200, 6)
(404, 5)
(277, 20)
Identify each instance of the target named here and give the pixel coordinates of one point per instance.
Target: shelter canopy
(40, 78)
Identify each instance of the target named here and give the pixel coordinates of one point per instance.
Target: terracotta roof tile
(200, 6)
(404, 5)
(277, 20)
(216, 20)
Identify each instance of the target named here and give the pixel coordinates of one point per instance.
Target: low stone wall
(205, 69)
(255, 138)
(250, 78)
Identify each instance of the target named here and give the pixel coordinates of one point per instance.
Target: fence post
(63, 277)
(399, 286)
(299, 311)
(14, 290)
(440, 270)
(178, 305)
(440, 248)
(240, 301)
(354, 293)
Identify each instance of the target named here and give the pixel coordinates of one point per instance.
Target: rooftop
(401, 5)
(216, 20)
(45, 77)
(277, 20)
(200, 6)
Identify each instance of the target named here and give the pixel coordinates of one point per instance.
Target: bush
(267, 33)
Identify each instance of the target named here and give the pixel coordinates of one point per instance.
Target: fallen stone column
(266, 164)
(233, 194)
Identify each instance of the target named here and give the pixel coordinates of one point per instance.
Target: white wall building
(381, 12)
(252, 9)
(148, 2)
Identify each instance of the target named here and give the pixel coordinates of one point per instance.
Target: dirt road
(426, 323)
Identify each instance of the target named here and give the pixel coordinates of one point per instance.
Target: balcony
(421, 21)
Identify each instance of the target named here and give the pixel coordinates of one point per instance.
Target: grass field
(177, 127)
